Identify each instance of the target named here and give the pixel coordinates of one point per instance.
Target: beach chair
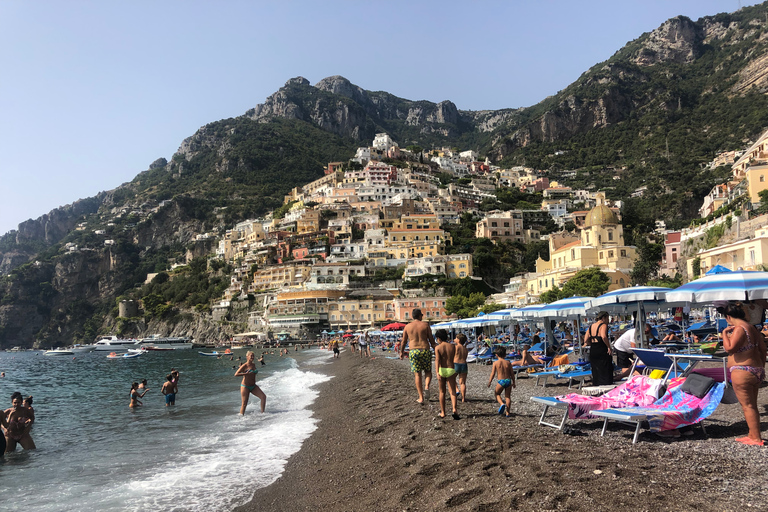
(639, 390)
(673, 410)
(653, 359)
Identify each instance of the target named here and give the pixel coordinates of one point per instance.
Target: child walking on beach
(460, 364)
(502, 369)
(444, 355)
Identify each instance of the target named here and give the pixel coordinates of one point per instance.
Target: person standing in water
(169, 390)
(135, 395)
(248, 386)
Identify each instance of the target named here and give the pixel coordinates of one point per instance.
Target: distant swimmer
(418, 336)
(248, 386)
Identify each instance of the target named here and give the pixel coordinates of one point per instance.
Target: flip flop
(456, 416)
(501, 409)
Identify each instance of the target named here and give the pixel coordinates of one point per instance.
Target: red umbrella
(397, 326)
(348, 336)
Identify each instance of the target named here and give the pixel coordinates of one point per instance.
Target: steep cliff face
(677, 40)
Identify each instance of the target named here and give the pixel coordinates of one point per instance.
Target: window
(573, 254)
(762, 178)
(623, 253)
(494, 224)
(610, 235)
(610, 254)
(601, 255)
(343, 308)
(462, 265)
(333, 317)
(506, 224)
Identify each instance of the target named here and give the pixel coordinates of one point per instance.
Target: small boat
(58, 352)
(127, 355)
(146, 348)
(216, 354)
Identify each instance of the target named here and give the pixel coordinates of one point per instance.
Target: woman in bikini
(17, 425)
(248, 386)
(746, 350)
(135, 395)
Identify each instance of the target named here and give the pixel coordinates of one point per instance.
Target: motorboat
(79, 349)
(59, 352)
(215, 353)
(174, 343)
(127, 355)
(114, 344)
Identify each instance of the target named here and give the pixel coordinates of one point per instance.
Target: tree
(696, 267)
(648, 262)
(464, 307)
(551, 295)
(588, 282)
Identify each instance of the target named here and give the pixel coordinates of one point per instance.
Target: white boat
(114, 344)
(176, 343)
(58, 352)
(79, 349)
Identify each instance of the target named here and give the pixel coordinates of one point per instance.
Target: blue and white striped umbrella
(737, 285)
(571, 307)
(526, 313)
(627, 299)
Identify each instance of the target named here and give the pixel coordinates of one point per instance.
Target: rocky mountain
(651, 115)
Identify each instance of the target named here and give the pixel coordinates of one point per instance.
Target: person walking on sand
(248, 386)
(418, 336)
(334, 345)
(460, 364)
(502, 370)
(365, 344)
(444, 354)
(600, 352)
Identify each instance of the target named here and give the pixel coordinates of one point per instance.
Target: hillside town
(332, 256)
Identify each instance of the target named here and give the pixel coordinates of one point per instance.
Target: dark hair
(500, 352)
(169, 377)
(734, 310)
(462, 338)
(16, 395)
(144, 381)
(536, 339)
(416, 313)
(28, 399)
(602, 314)
(441, 334)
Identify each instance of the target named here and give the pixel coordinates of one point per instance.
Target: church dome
(600, 215)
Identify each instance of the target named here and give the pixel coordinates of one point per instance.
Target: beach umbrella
(571, 307)
(396, 326)
(525, 313)
(348, 335)
(737, 285)
(717, 269)
(633, 299)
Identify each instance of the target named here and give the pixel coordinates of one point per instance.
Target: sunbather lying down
(527, 358)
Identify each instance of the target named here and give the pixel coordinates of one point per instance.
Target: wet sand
(376, 449)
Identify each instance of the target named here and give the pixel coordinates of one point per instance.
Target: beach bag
(697, 385)
(565, 368)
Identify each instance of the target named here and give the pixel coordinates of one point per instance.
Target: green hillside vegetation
(248, 168)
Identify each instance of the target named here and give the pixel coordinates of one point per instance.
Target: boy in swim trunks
(460, 364)
(418, 336)
(444, 355)
(168, 389)
(502, 369)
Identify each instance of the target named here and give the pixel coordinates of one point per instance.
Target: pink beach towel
(639, 390)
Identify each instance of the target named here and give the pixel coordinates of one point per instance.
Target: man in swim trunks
(444, 355)
(460, 364)
(502, 369)
(168, 389)
(418, 336)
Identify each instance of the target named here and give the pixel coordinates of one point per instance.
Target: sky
(92, 92)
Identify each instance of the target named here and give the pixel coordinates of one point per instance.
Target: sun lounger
(639, 390)
(673, 410)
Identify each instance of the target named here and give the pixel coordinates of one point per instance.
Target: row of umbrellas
(737, 285)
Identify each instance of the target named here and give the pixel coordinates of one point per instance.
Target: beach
(376, 448)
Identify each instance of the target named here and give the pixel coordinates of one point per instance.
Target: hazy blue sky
(91, 92)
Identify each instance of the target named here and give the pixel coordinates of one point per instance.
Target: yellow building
(748, 254)
(403, 251)
(600, 245)
(757, 180)
(278, 276)
(309, 222)
(416, 229)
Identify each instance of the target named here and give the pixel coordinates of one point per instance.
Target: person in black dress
(600, 353)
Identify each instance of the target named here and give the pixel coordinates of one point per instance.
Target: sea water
(95, 453)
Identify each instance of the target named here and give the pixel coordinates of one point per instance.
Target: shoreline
(375, 448)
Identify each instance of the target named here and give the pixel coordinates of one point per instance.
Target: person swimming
(248, 386)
